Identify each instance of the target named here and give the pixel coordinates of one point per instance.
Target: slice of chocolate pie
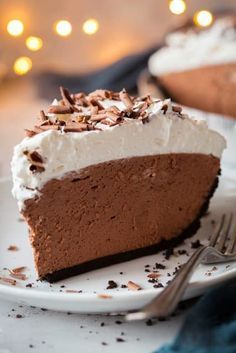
(106, 177)
(198, 68)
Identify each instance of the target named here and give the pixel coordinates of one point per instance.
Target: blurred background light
(177, 7)
(90, 26)
(203, 18)
(22, 65)
(15, 28)
(63, 28)
(34, 43)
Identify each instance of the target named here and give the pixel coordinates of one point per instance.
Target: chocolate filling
(117, 211)
(206, 88)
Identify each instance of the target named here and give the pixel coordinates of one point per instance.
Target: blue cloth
(210, 326)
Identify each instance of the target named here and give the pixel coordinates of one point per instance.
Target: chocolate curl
(66, 96)
(60, 109)
(125, 98)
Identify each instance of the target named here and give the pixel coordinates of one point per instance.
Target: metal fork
(221, 248)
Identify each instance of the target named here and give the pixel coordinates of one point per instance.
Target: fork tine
(217, 231)
(225, 231)
(232, 242)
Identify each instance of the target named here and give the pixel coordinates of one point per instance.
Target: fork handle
(166, 302)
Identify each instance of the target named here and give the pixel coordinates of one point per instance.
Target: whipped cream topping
(189, 50)
(57, 153)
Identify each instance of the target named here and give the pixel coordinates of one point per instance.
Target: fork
(221, 248)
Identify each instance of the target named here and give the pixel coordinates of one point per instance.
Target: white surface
(62, 333)
(66, 152)
(94, 283)
(189, 50)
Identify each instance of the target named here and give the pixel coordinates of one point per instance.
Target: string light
(203, 18)
(177, 7)
(90, 26)
(34, 43)
(15, 28)
(22, 65)
(63, 28)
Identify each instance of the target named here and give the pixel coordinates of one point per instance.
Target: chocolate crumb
(153, 280)
(159, 266)
(102, 324)
(119, 339)
(196, 244)
(118, 322)
(168, 252)
(164, 108)
(31, 346)
(147, 270)
(182, 252)
(121, 273)
(19, 316)
(123, 286)
(36, 168)
(104, 344)
(149, 322)
(29, 285)
(158, 285)
(112, 284)
(176, 109)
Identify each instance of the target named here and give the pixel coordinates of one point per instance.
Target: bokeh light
(22, 65)
(34, 43)
(90, 26)
(15, 28)
(177, 7)
(203, 18)
(63, 28)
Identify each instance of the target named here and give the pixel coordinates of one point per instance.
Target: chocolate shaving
(125, 98)
(86, 111)
(104, 296)
(101, 94)
(30, 133)
(42, 115)
(96, 103)
(133, 286)
(13, 248)
(153, 275)
(35, 157)
(76, 127)
(8, 280)
(72, 291)
(60, 109)
(17, 275)
(18, 269)
(66, 96)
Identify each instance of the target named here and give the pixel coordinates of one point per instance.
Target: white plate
(53, 296)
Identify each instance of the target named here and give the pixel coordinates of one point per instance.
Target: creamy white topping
(189, 50)
(65, 152)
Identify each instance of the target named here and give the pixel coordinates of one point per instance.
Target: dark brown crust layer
(130, 255)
